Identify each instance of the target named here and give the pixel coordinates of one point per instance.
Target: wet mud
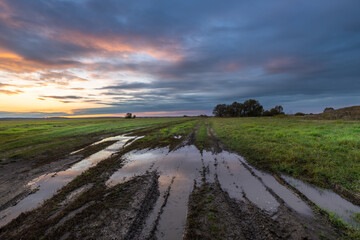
(133, 190)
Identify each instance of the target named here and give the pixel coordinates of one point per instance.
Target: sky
(169, 58)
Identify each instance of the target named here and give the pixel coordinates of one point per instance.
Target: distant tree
(252, 108)
(235, 110)
(277, 110)
(134, 116)
(128, 115)
(328, 109)
(267, 113)
(299, 114)
(220, 110)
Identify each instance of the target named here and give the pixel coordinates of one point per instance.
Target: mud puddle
(48, 184)
(182, 169)
(327, 199)
(178, 170)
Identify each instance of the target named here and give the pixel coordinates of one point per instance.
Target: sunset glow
(106, 58)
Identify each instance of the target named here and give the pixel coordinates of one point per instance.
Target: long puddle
(48, 184)
(327, 200)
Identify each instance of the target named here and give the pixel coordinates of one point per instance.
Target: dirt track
(141, 193)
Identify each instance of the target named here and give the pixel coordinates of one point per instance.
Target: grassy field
(40, 140)
(318, 151)
(323, 152)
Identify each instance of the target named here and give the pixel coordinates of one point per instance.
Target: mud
(131, 190)
(213, 214)
(98, 213)
(48, 184)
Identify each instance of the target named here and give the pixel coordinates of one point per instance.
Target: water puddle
(178, 171)
(238, 180)
(327, 200)
(49, 184)
(290, 199)
(181, 169)
(108, 139)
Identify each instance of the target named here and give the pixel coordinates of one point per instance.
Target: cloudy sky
(167, 57)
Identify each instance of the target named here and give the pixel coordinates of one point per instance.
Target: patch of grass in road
(204, 221)
(318, 151)
(348, 231)
(357, 217)
(170, 135)
(201, 136)
(40, 140)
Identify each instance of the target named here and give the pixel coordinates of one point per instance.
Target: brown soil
(214, 215)
(98, 213)
(15, 176)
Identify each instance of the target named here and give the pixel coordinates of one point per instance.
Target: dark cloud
(206, 52)
(62, 97)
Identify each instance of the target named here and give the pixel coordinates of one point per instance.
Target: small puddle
(238, 180)
(327, 200)
(49, 184)
(290, 199)
(108, 139)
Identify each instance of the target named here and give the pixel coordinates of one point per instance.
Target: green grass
(317, 151)
(201, 136)
(168, 136)
(38, 139)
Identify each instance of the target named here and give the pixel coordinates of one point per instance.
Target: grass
(43, 139)
(171, 135)
(201, 136)
(348, 231)
(322, 152)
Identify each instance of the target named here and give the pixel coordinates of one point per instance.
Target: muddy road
(129, 189)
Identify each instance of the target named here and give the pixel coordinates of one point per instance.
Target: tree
(134, 116)
(277, 110)
(128, 115)
(220, 110)
(252, 108)
(267, 113)
(235, 110)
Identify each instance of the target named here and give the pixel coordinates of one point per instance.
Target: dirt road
(127, 191)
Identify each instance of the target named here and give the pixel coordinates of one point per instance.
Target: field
(44, 140)
(317, 151)
(128, 178)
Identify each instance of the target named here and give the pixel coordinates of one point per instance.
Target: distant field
(46, 140)
(318, 151)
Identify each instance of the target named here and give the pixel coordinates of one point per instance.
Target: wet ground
(163, 194)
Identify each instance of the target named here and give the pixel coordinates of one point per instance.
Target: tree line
(249, 108)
